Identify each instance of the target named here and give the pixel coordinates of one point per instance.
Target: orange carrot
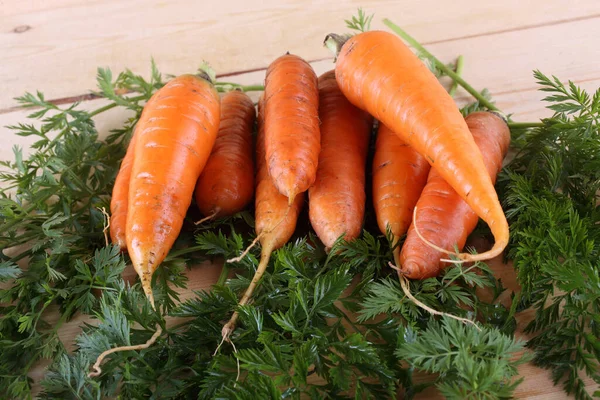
(399, 175)
(442, 216)
(275, 219)
(337, 198)
(226, 185)
(292, 136)
(120, 197)
(175, 136)
(378, 73)
(173, 139)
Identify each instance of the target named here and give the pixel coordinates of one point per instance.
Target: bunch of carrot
(433, 170)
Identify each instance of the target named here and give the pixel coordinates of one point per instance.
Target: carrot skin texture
(399, 175)
(337, 198)
(378, 73)
(292, 135)
(120, 198)
(175, 136)
(274, 217)
(226, 184)
(442, 216)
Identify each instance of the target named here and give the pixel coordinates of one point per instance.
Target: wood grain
(56, 46)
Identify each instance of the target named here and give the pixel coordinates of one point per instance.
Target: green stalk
(226, 87)
(181, 252)
(523, 125)
(400, 32)
(113, 105)
(224, 274)
(460, 64)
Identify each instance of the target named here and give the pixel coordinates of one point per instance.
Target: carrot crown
(335, 42)
(206, 72)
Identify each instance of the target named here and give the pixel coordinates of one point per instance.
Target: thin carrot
(399, 175)
(292, 136)
(226, 185)
(442, 216)
(120, 198)
(378, 73)
(337, 199)
(275, 219)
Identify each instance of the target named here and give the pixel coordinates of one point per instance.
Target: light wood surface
(56, 47)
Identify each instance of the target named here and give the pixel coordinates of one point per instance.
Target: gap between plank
(92, 96)
(516, 29)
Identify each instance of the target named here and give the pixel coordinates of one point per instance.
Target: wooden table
(56, 46)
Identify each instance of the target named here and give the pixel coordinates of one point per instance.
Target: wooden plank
(56, 47)
(526, 105)
(537, 384)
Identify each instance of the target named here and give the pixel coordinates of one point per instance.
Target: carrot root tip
(97, 370)
(406, 289)
(209, 217)
(427, 242)
(106, 225)
(226, 332)
(246, 250)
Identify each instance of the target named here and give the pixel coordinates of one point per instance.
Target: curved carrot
(336, 201)
(175, 136)
(399, 175)
(442, 217)
(226, 185)
(378, 73)
(292, 136)
(275, 219)
(120, 197)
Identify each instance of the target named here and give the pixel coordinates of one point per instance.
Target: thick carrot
(175, 136)
(173, 139)
(337, 199)
(120, 198)
(378, 73)
(442, 216)
(275, 219)
(226, 184)
(399, 175)
(292, 136)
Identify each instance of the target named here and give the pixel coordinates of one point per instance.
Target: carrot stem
(228, 86)
(113, 105)
(523, 125)
(335, 42)
(460, 64)
(224, 274)
(400, 32)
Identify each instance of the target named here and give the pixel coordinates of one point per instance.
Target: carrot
(378, 73)
(337, 198)
(174, 137)
(120, 197)
(226, 185)
(292, 136)
(176, 134)
(442, 216)
(275, 219)
(399, 175)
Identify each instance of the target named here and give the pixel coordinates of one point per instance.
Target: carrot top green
(319, 324)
